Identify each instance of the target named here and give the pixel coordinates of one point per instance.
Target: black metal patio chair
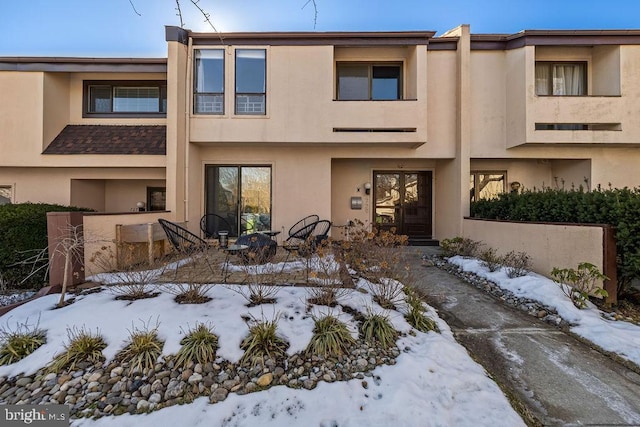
(183, 241)
(305, 239)
(212, 224)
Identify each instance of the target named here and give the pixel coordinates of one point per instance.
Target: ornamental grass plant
(331, 337)
(84, 346)
(199, 345)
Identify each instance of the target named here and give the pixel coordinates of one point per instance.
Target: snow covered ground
(433, 383)
(622, 338)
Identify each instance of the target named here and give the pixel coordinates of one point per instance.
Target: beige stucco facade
(467, 105)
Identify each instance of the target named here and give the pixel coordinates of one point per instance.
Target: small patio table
(270, 233)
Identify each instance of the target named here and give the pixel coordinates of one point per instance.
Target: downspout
(187, 125)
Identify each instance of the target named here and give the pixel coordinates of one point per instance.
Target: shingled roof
(94, 139)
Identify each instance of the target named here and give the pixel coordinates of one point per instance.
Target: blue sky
(111, 27)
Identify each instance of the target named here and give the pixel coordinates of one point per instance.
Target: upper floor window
(361, 81)
(251, 82)
(561, 78)
(208, 96)
(5, 195)
(125, 98)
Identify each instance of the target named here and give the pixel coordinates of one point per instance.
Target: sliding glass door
(241, 195)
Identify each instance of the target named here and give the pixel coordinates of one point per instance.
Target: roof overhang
(87, 65)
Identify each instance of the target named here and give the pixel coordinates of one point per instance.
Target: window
(208, 97)
(375, 82)
(156, 198)
(579, 126)
(486, 185)
(561, 79)
(125, 99)
(5, 195)
(251, 81)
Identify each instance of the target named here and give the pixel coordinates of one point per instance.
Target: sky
(112, 28)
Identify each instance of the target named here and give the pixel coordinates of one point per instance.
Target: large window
(561, 78)
(251, 82)
(5, 195)
(125, 98)
(486, 185)
(208, 97)
(361, 81)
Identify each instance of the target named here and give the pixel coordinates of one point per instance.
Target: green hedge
(618, 207)
(23, 234)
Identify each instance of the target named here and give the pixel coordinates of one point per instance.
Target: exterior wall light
(140, 206)
(515, 186)
(367, 188)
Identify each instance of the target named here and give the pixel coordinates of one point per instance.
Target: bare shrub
(386, 292)
(189, 293)
(460, 246)
(491, 260)
(517, 264)
(372, 252)
(257, 293)
(261, 281)
(131, 280)
(326, 295)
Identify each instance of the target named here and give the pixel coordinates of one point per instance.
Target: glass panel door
(222, 183)
(387, 196)
(255, 207)
(403, 202)
(241, 195)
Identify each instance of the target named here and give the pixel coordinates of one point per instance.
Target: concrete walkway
(560, 380)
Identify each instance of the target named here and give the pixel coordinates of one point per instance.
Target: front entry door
(403, 202)
(241, 195)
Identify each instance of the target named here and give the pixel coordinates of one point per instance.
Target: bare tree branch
(179, 13)
(315, 11)
(134, 8)
(207, 16)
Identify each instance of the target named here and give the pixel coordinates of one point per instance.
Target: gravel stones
(114, 389)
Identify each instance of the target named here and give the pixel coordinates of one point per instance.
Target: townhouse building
(397, 129)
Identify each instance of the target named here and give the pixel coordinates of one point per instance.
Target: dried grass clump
(416, 316)
(143, 348)
(263, 343)
(376, 329)
(83, 346)
(18, 343)
(331, 337)
(198, 346)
